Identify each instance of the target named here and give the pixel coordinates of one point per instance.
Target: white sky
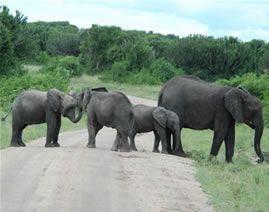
(245, 19)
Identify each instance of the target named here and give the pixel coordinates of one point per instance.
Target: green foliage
(68, 66)
(63, 44)
(11, 87)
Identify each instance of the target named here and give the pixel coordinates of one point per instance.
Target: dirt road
(75, 178)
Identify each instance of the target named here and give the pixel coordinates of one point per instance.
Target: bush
(68, 64)
(11, 87)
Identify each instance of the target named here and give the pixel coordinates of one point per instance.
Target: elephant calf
(158, 120)
(37, 107)
(110, 109)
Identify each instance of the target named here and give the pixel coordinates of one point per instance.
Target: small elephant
(158, 120)
(110, 109)
(37, 107)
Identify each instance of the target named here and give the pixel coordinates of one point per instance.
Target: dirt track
(76, 178)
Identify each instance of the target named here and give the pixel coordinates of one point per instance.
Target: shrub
(68, 64)
(11, 87)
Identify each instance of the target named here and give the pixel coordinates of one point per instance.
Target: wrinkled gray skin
(37, 107)
(110, 109)
(200, 105)
(158, 120)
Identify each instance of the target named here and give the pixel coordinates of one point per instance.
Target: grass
(143, 91)
(239, 186)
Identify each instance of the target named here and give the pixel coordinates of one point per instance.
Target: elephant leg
(57, 130)
(21, 143)
(51, 128)
(116, 144)
(168, 141)
(16, 139)
(156, 142)
(229, 144)
(162, 133)
(132, 141)
(219, 135)
(124, 144)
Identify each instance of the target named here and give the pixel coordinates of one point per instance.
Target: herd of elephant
(183, 102)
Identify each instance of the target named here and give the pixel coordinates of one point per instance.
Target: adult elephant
(201, 105)
(110, 109)
(37, 107)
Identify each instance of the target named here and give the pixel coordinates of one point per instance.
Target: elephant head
(84, 97)
(246, 109)
(64, 104)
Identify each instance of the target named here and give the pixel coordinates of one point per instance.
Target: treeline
(122, 54)
(129, 56)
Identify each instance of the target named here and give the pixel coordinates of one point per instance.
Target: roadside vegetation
(139, 63)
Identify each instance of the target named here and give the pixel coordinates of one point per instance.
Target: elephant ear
(73, 94)
(234, 104)
(86, 98)
(160, 116)
(54, 99)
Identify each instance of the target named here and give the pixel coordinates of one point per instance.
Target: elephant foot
(49, 145)
(164, 151)
(133, 148)
(22, 144)
(56, 144)
(125, 150)
(179, 153)
(90, 145)
(115, 149)
(14, 144)
(156, 150)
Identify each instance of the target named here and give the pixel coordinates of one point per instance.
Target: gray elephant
(159, 120)
(201, 105)
(37, 107)
(110, 109)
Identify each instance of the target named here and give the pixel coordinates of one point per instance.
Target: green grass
(143, 91)
(239, 186)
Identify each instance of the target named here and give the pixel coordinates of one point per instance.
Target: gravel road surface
(74, 178)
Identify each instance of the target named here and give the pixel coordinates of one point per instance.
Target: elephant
(201, 105)
(110, 109)
(37, 107)
(158, 120)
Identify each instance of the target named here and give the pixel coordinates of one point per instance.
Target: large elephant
(158, 120)
(201, 105)
(37, 107)
(110, 109)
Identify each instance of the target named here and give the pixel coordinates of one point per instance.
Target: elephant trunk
(257, 141)
(77, 119)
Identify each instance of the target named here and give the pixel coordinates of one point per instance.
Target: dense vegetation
(134, 57)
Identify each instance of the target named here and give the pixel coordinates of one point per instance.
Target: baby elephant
(158, 120)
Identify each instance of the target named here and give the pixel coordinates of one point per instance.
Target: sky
(245, 19)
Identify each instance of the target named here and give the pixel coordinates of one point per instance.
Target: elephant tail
(4, 118)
